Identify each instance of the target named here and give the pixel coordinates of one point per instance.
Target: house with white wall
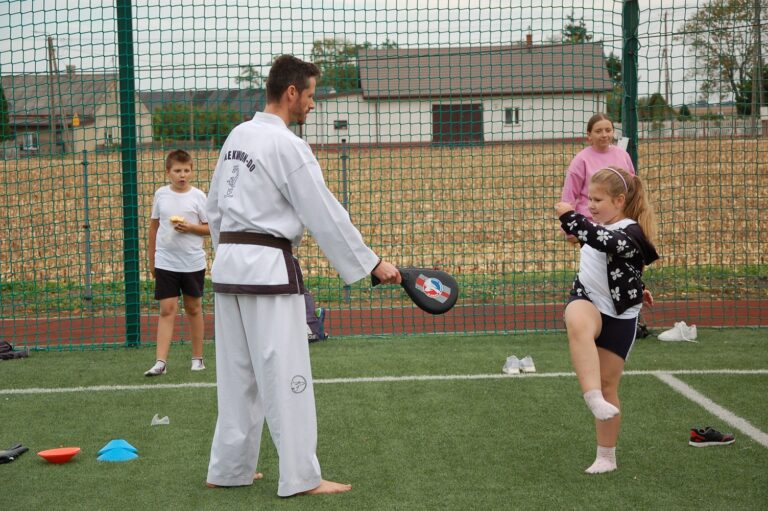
(466, 95)
(68, 112)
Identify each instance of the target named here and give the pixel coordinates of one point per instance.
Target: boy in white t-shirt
(177, 258)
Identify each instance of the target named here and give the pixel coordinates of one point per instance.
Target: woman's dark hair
(595, 119)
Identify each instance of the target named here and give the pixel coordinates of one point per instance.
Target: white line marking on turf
(105, 388)
(372, 379)
(698, 371)
(726, 415)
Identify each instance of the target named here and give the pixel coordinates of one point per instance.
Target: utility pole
(757, 69)
(51, 97)
(54, 94)
(192, 116)
(667, 92)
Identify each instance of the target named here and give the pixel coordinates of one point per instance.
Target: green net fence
(445, 128)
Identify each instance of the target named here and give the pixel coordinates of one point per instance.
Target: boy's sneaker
(679, 332)
(512, 365)
(526, 365)
(197, 364)
(706, 437)
(157, 369)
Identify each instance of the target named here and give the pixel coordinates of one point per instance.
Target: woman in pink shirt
(600, 154)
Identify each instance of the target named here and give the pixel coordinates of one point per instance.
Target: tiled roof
(244, 101)
(81, 94)
(483, 71)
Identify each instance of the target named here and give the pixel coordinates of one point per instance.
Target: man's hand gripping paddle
(433, 291)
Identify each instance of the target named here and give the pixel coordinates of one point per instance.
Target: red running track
(63, 331)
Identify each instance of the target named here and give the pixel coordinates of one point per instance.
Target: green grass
(506, 443)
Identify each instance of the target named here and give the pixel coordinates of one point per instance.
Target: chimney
(529, 40)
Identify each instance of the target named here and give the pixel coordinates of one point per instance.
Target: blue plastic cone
(118, 455)
(117, 444)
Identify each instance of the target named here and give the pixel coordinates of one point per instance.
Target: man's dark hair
(287, 70)
(177, 156)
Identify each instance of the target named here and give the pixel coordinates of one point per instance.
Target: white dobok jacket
(268, 181)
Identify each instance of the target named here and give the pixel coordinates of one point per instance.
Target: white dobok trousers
(263, 372)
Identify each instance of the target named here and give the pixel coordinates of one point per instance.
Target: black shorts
(169, 284)
(616, 335)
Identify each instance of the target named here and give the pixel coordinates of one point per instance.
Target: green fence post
(130, 185)
(88, 295)
(630, 20)
(345, 199)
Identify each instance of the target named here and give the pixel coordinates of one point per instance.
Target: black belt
(254, 238)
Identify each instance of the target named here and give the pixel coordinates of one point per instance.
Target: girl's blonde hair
(616, 181)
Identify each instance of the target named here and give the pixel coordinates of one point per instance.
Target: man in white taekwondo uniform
(266, 189)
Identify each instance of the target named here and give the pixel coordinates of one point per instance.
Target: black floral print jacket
(627, 251)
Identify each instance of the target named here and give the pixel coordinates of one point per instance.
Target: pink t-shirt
(582, 168)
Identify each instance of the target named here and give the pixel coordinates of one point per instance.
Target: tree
(614, 69)
(337, 60)
(5, 127)
(574, 32)
(250, 76)
(614, 100)
(388, 44)
(684, 114)
(654, 108)
(745, 108)
(720, 35)
(172, 121)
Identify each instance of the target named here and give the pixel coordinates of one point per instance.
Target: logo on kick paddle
(433, 288)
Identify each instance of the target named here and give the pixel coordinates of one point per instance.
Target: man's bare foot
(256, 477)
(328, 487)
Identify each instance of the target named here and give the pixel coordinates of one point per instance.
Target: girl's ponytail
(638, 207)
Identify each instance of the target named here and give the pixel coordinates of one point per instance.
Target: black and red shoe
(706, 437)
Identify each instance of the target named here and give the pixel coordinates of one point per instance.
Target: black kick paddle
(433, 291)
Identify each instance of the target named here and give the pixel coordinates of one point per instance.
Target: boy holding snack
(176, 257)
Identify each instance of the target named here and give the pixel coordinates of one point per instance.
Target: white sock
(601, 409)
(160, 363)
(605, 461)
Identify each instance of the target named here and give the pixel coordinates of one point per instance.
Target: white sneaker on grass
(197, 364)
(526, 365)
(157, 369)
(679, 332)
(512, 365)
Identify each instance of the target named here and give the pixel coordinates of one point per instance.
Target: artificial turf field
(412, 422)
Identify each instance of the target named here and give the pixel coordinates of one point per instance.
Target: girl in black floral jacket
(607, 295)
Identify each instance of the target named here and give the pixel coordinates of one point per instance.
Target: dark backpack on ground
(315, 320)
(7, 352)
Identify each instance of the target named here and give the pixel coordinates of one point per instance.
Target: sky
(201, 44)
